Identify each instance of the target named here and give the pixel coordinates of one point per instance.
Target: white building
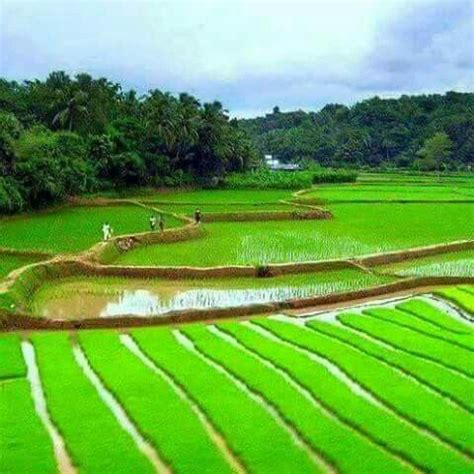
(274, 164)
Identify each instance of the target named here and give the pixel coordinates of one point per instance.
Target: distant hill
(376, 132)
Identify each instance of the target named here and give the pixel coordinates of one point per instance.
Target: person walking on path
(152, 222)
(161, 223)
(197, 216)
(106, 231)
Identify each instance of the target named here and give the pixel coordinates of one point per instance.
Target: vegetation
(425, 132)
(354, 230)
(318, 391)
(266, 179)
(66, 136)
(71, 229)
(460, 296)
(71, 398)
(81, 297)
(10, 262)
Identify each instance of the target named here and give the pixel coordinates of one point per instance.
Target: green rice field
(72, 229)
(327, 393)
(355, 230)
(10, 262)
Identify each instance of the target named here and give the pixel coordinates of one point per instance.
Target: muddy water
(94, 299)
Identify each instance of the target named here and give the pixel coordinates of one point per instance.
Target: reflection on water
(145, 303)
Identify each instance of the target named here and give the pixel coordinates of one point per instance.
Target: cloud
(250, 54)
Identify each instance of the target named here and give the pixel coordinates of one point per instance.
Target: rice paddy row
(328, 393)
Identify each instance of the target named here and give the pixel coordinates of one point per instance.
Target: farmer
(106, 231)
(197, 216)
(161, 223)
(152, 222)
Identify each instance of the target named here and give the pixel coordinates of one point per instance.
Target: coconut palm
(74, 110)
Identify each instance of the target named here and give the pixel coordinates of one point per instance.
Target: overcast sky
(250, 54)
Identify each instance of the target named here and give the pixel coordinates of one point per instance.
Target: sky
(249, 54)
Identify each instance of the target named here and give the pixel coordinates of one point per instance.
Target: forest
(73, 135)
(425, 132)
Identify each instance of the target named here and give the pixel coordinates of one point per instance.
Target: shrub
(266, 179)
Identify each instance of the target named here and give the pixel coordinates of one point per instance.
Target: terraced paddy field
(10, 262)
(386, 387)
(72, 229)
(356, 229)
(101, 297)
(449, 264)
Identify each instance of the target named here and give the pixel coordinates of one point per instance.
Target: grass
(406, 320)
(427, 312)
(326, 435)
(12, 361)
(245, 424)
(386, 192)
(9, 262)
(399, 394)
(418, 344)
(459, 296)
(382, 427)
(355, 230)
(158, 411)
(72, 399)
(450, 384)
(448, 264)
(24, 443)
(76, 297)
(72, 229)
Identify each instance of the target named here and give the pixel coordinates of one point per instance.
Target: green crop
(157, 410)
(428, 312)
(379, 425)
(355, 230)
(450, 384)
(71, 229)
(406, 320)
(94, 438)
(404, 339)
(9, 262)
(459, 296)
(251, 432)
(398, 394)
(24, 443)
(332, 438)
(12, 364)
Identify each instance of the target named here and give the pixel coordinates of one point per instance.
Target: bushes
(266, 179)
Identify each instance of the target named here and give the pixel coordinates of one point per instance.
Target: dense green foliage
(265, 179)
(65, 136)
(460, 296)
(425, 132)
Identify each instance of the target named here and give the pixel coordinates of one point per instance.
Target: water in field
(103, 298)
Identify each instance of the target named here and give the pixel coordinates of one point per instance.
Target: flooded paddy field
(459, 264)
(86, 297)
(356, 229)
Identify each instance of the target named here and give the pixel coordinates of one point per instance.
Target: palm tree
(74, 110)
